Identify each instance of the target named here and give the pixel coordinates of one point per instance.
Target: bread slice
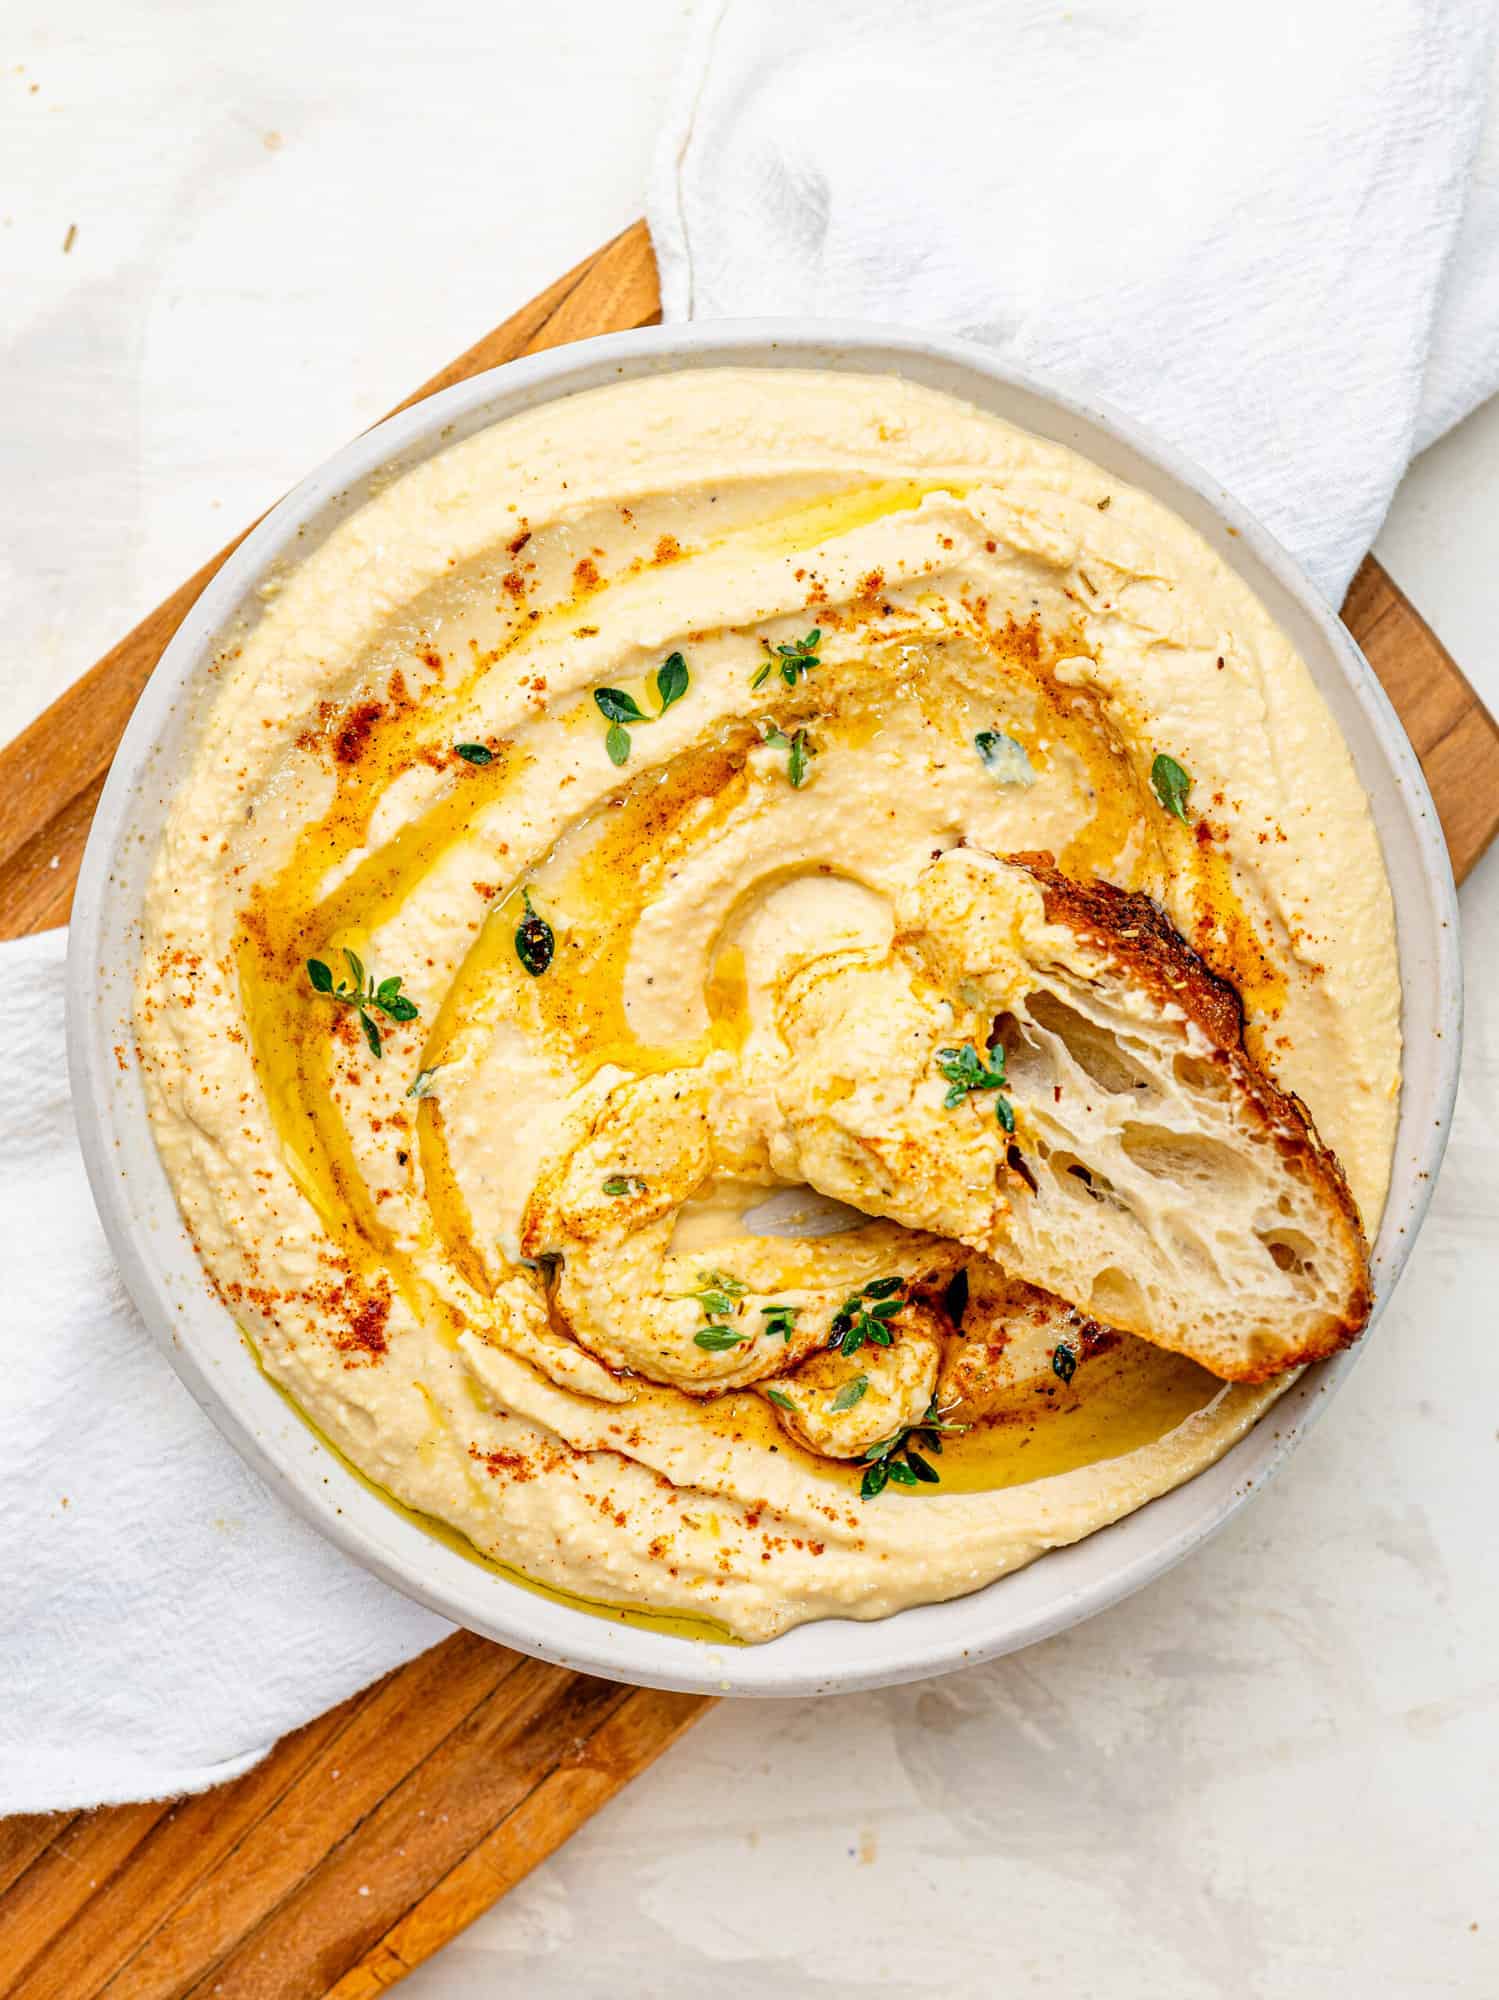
(1155, 1178)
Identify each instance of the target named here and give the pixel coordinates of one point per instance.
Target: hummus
(515, 817)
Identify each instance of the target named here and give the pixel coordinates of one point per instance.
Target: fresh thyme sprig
(779, 1321)
(897, 1458)
(794, 657)
(799, 751)
(363, 995)
(671, 680)
(966, 1071)
(866, 1316)
(719, 1291)
(719, 1298)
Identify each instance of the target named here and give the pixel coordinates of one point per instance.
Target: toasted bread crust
(1132, 931)
(1141, 939)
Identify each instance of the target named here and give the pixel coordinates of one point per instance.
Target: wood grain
(1453, 734)
(371, 1836)
(362, 1843)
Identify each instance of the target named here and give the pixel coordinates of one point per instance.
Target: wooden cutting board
(368, 1838)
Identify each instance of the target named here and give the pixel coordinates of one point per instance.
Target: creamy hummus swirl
(597, 732)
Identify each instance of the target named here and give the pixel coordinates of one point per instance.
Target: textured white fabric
(1236, 224)
(163, 1619)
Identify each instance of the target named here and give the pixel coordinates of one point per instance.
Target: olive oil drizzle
(1128, 1397)
(579, 1004)
(288, 1050)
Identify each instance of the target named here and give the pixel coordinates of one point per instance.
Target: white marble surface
(1272, 1775)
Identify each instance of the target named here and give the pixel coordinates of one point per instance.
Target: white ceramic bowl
(201, 1340)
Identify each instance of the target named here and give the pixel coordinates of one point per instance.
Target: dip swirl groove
(903, 624)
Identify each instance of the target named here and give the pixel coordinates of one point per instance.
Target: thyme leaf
(851, 1393)
(718, 1339)
(671, 682)
(1004, 757)
(1171, 785)
(617, 706)
(535, 940)
(882, 1288)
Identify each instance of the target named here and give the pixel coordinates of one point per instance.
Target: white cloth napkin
(1236, 224)
(163, 1619)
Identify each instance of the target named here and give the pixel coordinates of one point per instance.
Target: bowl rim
(172, 1294)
